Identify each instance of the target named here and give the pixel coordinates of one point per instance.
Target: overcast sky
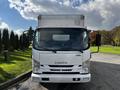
(20, 14)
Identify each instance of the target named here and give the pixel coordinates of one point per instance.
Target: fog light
(86, 78)
(45, 79)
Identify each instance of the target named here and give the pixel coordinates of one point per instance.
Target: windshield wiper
(47, 49)
(80, 51)
(55, 50)
(71, 49)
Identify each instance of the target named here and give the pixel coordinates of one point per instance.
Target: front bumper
(61, 78)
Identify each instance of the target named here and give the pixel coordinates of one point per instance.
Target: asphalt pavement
(105, 70)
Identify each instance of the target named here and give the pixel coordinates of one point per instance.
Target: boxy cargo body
(60, 51)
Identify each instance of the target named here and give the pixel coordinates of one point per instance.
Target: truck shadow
(65, 86)
(105, 76)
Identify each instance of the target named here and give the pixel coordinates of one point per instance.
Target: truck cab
(60, 52)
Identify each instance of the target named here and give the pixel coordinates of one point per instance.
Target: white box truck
(60, 52)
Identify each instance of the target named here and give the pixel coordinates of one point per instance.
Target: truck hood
(60, 58)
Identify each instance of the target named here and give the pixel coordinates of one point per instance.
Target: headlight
(86, 66)
(36, 66)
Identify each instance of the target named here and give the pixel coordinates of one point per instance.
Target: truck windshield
(70, 39)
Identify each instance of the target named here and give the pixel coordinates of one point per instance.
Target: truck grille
(60, 65)
(60, 69)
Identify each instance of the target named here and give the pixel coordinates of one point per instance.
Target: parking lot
(105, 70)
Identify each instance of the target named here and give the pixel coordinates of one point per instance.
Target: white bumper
(61, 78)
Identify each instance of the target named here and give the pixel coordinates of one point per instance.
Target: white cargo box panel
(60, 21)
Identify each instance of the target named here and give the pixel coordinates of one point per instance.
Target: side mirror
(98, 40)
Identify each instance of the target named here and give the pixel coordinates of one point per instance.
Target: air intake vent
(60, 65)
(55, 69)
(61, 69)
(66, 69)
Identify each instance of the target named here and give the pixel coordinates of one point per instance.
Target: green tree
(116, 36)
(0, 42)
(21, 42)
(5, 39)
(16, 42)
(107, 37)
(12, 41)
(25, 41)
(30, 34)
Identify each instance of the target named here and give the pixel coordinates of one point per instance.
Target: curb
(15, 81)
